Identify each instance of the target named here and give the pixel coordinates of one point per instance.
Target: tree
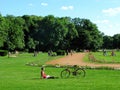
(116, 41)
(31, 29)
(89, 35)
(71, 34)
(3, 30)
(48, 33)
(15, 34)
(107, 42)
(51, 32)
(32, 43)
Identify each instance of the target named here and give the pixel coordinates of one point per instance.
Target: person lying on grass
(44, 76)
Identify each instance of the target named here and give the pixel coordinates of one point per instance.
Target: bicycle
(77, 71)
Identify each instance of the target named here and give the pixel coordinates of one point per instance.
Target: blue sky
(105, 13)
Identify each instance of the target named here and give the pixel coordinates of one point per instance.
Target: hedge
(60, 52)
(3, 52)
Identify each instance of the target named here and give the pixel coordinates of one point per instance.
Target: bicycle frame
(75, 71)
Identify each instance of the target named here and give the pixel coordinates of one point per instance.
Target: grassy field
(105, 59)
(16, 75)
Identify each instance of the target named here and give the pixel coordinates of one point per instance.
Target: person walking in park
(104, 52)
(71, 52)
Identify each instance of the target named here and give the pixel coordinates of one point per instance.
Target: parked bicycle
(75, 71)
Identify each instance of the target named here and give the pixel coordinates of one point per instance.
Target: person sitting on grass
(44, 76)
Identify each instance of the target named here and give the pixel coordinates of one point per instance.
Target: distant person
(71, 52)
(104, 52)
(48, 53)
(35, 54)
(112, 53)
(67, 52)
(45, 76)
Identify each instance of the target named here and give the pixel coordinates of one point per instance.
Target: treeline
(30, 32)
(111, 42)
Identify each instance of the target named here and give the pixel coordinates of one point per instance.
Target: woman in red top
(43, 75)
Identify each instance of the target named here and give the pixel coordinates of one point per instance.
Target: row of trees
(111, 42)
(30, 32)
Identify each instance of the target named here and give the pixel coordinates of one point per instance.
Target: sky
(104, 13)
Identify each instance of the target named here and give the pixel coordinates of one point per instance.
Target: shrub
(3, 52)
(60, 52)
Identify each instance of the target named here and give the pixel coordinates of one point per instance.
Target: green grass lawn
(16, 75)
(105, 59)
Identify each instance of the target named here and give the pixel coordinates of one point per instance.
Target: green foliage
(52, 33)
(89, 35)
(108, 42)
(3, 33)
(116, 41)
(3, 52)
(111, 42)
(31, 31)
(61, 33)
(60, 52)
(15, 34)
(32, 43)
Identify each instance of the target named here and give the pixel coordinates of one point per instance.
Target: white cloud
(112, 11)
(101, 21)
(67, 7)
(44, 4)
(108, 27)
(30, 4)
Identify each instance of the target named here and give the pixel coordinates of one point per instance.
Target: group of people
(105, 53)
(69, 52)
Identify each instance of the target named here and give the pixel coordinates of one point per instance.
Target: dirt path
(77, 59)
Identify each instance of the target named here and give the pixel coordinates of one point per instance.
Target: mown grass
(16, 75)
(100, 58)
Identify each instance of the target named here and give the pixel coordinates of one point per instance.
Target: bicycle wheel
(65, 73)
(80, 72)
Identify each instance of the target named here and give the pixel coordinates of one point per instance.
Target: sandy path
(77, 59)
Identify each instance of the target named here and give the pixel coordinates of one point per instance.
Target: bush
(60, 52)
(3, 52)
